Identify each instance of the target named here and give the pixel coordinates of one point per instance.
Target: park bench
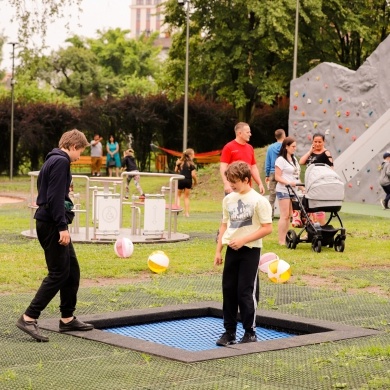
(85, 161)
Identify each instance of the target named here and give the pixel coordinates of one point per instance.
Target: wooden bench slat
(86, 161)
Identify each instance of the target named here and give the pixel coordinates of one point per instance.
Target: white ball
(279, 271)
(158, 262)
(123, 247)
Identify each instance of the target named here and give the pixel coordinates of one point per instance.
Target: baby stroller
(324, 191)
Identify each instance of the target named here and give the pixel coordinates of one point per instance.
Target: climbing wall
(343, 105)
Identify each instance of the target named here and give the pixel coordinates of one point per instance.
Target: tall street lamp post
(296, 41)
(185, 120)
(11, 156)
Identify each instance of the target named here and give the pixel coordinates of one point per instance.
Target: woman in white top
(287, 171)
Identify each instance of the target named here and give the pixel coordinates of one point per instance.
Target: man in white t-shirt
(96, 154)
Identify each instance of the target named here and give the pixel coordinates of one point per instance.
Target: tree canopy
(112, 64)
(242, 50)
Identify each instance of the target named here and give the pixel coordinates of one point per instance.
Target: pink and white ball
(123, 247)
(266, 259)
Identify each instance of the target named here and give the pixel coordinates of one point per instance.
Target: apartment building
(147, 16)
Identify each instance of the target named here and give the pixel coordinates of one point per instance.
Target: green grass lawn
(23, 266)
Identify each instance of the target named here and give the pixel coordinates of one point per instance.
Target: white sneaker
(382, 201)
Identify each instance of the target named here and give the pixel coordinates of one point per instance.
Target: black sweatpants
(240, 287)
(63, 273)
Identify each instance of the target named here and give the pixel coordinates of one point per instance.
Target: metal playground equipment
(106, 215)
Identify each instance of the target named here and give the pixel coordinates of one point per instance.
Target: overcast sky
(97, 14)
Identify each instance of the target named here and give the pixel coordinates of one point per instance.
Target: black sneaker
(74, 325)
(248, 338)
(32, 329)
(226, 339)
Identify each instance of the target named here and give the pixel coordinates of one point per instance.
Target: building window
(140, 2)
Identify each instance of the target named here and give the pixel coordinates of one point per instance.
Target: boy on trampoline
(247, 218)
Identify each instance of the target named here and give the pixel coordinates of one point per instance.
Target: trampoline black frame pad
(310, 331)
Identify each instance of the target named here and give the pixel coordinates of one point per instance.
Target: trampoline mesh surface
(190, 334)
(70, 363)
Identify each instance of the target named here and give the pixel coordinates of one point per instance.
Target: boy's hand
(236, 243)
(64, 238)
(218, 259)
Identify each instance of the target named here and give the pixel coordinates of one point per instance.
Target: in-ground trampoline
(188, 332)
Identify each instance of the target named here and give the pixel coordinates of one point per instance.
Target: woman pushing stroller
(317, 154)
(287, 172)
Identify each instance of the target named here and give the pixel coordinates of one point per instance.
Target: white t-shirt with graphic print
(244, 214)
(290, 172)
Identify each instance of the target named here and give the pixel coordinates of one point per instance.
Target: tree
(238, 50)
(242, 50)
(133, 63)
(34, 16)
(111, 65)
(345, 33)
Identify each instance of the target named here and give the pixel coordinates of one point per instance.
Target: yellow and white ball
(279, 271)
(123, 247)
(158, 262)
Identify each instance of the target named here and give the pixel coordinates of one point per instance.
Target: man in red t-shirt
(240, 150)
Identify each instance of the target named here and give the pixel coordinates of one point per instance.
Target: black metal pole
(11, 156)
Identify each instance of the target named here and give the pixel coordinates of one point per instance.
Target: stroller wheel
(291, 239)
(339, 244)
(316, 245)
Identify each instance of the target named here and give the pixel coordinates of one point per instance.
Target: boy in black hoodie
(52, 218)
(129, 164)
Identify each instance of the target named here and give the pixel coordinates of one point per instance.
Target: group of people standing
(184, 166)
(114, 162)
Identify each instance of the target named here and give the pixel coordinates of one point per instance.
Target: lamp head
(181, 2)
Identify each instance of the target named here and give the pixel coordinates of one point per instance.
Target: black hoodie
(53, 189)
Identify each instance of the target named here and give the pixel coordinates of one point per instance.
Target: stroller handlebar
(296, 185)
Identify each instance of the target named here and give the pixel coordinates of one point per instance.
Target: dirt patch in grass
(332, 283)
(102, 282)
